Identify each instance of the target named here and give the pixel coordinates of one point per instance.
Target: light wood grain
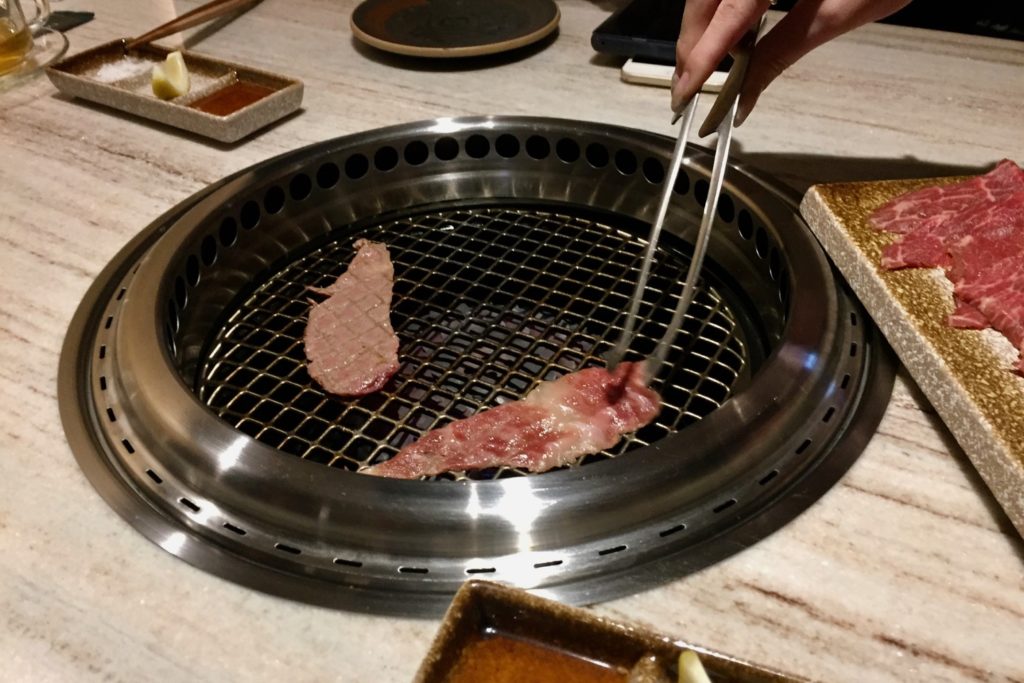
(907, 570)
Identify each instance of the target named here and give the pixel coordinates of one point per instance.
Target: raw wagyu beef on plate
(974, 231)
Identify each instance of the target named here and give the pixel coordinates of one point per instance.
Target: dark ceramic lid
(453, 28)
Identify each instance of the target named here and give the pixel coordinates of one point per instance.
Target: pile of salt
(123, 68)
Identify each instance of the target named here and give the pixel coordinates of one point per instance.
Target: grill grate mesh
(487, 302)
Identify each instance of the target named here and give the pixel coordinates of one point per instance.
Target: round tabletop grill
(516, 243)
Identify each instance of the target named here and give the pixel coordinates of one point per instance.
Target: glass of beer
(16, 31)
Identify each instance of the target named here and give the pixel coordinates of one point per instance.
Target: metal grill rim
(234, 506)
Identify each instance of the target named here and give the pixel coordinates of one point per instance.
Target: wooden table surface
(906, 570)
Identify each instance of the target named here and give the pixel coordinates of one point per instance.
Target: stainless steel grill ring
(515, 242)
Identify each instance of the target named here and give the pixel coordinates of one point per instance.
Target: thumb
(809, 24)
(789, 40)
(765, 67)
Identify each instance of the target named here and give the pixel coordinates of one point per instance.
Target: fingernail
(678, 87)
(742, 111)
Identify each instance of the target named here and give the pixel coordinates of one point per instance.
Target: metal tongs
(720, 118)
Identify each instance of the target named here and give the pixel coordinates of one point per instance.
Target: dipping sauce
(500, 659)
(231, 98)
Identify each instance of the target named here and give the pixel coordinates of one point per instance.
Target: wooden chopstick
(199, 15)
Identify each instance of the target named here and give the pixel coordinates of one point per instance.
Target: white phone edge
(645, 73)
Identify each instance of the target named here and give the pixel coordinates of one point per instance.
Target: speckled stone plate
(483, 610)
(453, 28)
(966, 374)
(107, 75)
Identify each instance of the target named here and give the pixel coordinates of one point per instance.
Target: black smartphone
(644, 30)
(65, 20)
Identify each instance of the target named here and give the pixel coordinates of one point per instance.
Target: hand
(711, 27)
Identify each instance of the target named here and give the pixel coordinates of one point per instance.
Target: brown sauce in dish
(500, 659)
(231, 98)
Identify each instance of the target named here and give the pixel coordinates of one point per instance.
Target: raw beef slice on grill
(583, 412)
(350, 344)
(932, 206)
